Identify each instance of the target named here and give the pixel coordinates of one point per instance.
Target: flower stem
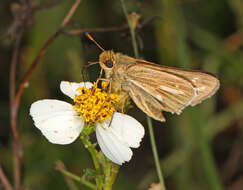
(94, 155)
(110, 174)
(149, 121)
(155, 153)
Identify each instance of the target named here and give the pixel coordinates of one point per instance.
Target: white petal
(62, 129)
(42, 110)
(113, 149)
(57, 120)
(128, 129)
(70, 88)
(115, 140)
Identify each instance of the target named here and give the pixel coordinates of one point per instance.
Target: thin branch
(108, 29)
(17, 147)
(90, 30)
(4, 180)
(12, 83)
(33, 66)
(18, 155)
(70, 14)
(15, 99)
(43, 51)
(70, 182)
(74, 177)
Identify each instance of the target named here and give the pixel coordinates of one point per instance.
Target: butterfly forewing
(204, 83)
(173, 91)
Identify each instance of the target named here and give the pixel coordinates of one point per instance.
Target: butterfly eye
(109, 63)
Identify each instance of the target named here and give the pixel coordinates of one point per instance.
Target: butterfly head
(107, 60)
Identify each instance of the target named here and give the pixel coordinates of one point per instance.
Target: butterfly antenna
(92, 39)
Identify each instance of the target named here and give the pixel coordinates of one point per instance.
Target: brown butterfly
(155, 88)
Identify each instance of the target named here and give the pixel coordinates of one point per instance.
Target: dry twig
(15, 98)
(17, 147)
(4, 180)
(107, 29)
(231, 165)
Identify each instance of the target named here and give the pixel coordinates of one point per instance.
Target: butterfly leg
(99, 79)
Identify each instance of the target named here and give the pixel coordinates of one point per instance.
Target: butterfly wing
(155, 88)
(205, 84)
(146, 102)
(173, 92)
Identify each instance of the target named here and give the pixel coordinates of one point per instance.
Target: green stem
(202, 142)
(107, 172)
(77, 178)
(206, 153)
(132, 30)
(110, 174)
(182, 49)
(94, 153)
(155, 153)
(149, 121)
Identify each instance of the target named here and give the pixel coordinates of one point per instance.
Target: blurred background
(200, 149)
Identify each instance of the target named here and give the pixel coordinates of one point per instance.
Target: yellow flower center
(95, 104)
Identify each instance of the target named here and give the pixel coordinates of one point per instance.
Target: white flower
(60, 123)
